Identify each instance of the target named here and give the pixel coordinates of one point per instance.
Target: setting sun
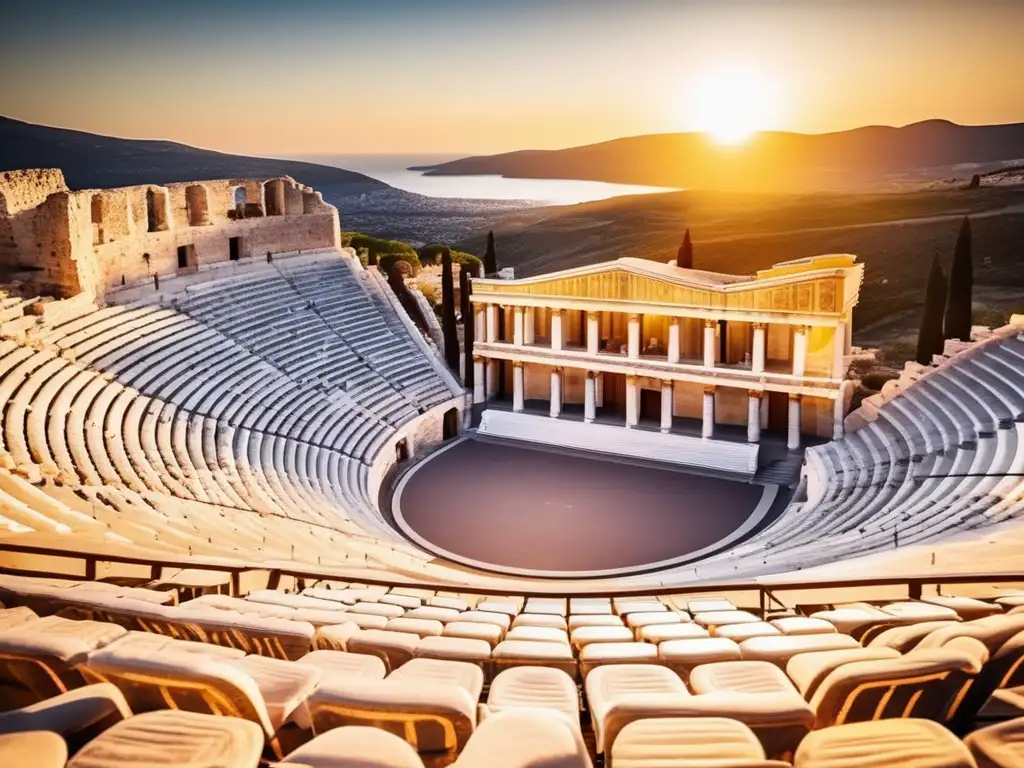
(731, 106)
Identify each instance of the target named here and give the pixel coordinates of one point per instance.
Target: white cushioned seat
(517, 653)
(411, 708)
(628, 605)
(540, 634)
(967, 608)
(583, 636)
(590, 606)
(807, 670)
(689, 742)
(906, 637)
(454, 648)
(40, 749)
(898, 743)
(408, 602)
(525, 737)
(12, 617)
(739, 632)
(712, 619)
(779, 649)
(507, 607)
(502, 620)
(594, 620)
(803, 625)
(640, 619)
(659, 633)
(709, 604)
(535, 687)
(609, 686)
(284, 685)
(394, 648)
(551, 606)
(998, 746)
(740, 677)
(147, 642)
(539, 620)
(440, 601)
(681, 656)
(600, 654)
(377, 609)
(335, 637)
(474, 630)
(174, 738)
(78, 715)
(353, 746)
(420, 627)
(346, 664)
(852, 619)
(917, 684)
(431, 613)
(467, 676)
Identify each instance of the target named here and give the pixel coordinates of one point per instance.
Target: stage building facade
(651, 345)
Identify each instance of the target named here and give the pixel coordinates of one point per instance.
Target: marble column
(528, 325)
(590, 398)
(633, 348)
(838, 351)
(707, 428)
(479, 382)
(754, 415)
(556, 392)
(556, 330)
(593, 333)
(709, 343)
(518, 386)
(673, 340)
(667, 401)
(492, 323)
(517, 326)
(758, 354)
(793, 432)
(632, 401)
(479, 323)
(800, 350)
(492, 378)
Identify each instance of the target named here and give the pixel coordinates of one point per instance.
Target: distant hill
(770, 161)
(93, 161)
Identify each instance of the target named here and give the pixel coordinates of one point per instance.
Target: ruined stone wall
(100, 240)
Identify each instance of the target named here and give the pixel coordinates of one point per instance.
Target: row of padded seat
(325, 689)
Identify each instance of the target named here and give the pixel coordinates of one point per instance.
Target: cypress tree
(957, 323)
(468, 328)
(490, 257)
(684, 258)
(448, 330)
(929, 338)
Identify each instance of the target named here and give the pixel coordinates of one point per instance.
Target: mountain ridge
(91, 160)
(769, 161)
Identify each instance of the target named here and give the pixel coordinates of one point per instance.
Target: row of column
(523, 333)
(486, 385)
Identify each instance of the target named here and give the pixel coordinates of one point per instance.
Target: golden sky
(455, 76)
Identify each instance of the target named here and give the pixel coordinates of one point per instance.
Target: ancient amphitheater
(208, 405)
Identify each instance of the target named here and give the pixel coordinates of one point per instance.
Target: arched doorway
(450, 428)
(402, 450)
(196, 206)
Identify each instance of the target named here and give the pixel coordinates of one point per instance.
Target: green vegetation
(387, 252)
(431, 254)
(468, 327)
(929, 338)
(451, 334)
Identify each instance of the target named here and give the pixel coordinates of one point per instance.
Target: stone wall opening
(156, 210)
(97, 219)
(187, 257)
(239, 199)
(196, 205)
(234, 248)
(273, 198)
(450, 427)
(402, 450)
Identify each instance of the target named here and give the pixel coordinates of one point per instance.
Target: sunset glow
(730, 106)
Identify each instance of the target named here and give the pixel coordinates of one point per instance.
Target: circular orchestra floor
(535, 511)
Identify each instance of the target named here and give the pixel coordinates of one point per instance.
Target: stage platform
(532, 510)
